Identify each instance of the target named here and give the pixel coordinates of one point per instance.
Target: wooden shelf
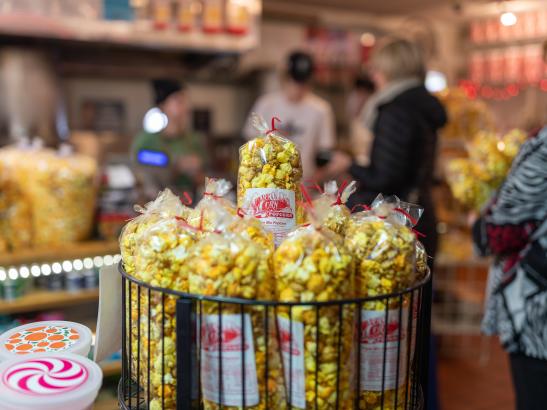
(43, 299)
(111, 368)
(121, 33)
(50, 254)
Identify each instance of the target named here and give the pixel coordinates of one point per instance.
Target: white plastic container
(49, 381)
(54, 336)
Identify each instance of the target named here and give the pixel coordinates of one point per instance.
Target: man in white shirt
(306, 119)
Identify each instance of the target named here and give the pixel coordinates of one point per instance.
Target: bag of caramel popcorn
(213, 207)
(269, 177)
(162, 249)
(332, 202)
(313, 265)
(384, 246)
(15, 206)
(230, 264)
(165, 205)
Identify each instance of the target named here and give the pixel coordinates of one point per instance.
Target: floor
(467, 382)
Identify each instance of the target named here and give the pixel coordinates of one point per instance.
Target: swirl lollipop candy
(46, 381)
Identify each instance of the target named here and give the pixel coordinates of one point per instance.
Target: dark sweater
(403, 155)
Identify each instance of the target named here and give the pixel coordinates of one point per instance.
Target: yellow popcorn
(230, 264)
(165, 205)
(15, 207)
(469, 183)
(269, 180)
(384, 248)
(473, 180)
(421, 261)
(213, 207)
(47, 197)
(466, 117)
(332, 203)
(61, 186)
(162, 249)
(310, 265)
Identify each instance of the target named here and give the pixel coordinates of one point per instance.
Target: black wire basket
(183, 351)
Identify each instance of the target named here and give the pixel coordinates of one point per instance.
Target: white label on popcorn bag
(293, 360)
(235, 350)
(275, 208)
(374, 335)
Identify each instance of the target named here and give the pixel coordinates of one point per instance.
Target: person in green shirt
(173, 157)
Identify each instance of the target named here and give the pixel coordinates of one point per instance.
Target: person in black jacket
(403, 119)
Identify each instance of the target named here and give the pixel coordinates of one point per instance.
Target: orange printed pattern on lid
(42, 339)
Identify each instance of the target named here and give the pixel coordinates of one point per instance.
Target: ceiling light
(368, 39)
(508, 19)
(154, 120)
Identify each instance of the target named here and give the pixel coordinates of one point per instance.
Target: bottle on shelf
(187, 11)
(212, 17)
(238, 17)
(161, 14)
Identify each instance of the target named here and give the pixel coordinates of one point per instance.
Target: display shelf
(111, 368)
(43, 299)
(122, 33)
(54, 254)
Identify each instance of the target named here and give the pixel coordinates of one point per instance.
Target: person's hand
(472, 218)
(338, 164)
(189, 164)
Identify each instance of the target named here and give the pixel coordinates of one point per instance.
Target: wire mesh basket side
(187, 352)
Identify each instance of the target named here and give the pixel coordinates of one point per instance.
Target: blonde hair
(399, 59)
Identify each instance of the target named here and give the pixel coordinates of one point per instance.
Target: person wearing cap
(306, 119)
(172, 157)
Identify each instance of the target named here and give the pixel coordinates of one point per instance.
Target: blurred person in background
(306, 119)
(173, 156)
(363, 88)
(513, 229)
(403, 118)
(360, 137)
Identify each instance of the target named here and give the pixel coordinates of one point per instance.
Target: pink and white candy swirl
(45, 376)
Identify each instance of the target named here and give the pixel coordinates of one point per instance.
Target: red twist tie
(214, 196)
(186, 196)
(357, 206)
(273, 129)
(412, 220)
(184, 223)
(339, 194)
(241, 213)
(306, 195)
(418, 233)
(405, 213)
(314, 185)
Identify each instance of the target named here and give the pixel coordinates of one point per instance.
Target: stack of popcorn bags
(474, 179)
(47, 197)
(293, 356)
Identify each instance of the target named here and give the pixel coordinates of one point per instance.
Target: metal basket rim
(258, 302)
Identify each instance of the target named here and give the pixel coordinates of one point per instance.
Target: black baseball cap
(164, 87)
(300, 66)
(364, 82)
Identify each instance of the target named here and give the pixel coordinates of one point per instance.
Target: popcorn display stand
(184, 351)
